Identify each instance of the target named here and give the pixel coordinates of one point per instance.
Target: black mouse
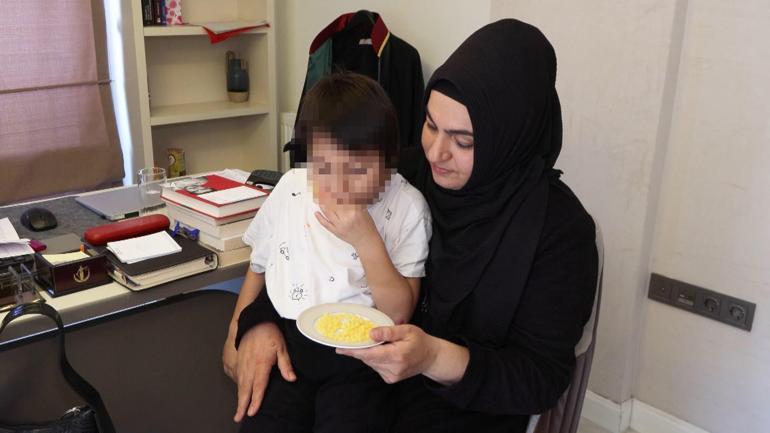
(38, 219)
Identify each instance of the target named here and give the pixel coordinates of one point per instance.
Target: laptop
(120, 203)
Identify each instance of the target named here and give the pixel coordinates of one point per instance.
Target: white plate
(306, 323)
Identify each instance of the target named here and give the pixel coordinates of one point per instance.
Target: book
(191, 219)
(222, 244)
(147, 12)
(215, 196)
(177, 209)
(232, 257)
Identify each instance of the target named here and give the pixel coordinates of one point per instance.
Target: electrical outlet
(660, 288)
(738, 313)
(708, 303)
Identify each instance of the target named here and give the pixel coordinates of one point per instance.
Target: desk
(154, 355)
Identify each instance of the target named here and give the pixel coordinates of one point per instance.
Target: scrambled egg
(344, 327)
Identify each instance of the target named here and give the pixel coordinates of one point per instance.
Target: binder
(193, 259)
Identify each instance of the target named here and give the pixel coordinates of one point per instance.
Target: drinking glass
(151, 182)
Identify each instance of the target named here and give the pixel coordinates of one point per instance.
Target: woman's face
(447, 139)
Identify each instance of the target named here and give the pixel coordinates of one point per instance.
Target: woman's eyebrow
(450, 131)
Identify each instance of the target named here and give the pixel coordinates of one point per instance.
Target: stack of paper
(144, 247)
(10, 244)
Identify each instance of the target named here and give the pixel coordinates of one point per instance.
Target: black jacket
(361, 42)
(528, 370)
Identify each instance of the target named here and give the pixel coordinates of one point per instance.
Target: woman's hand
(261, 348)
(409, 352)
(351, 223)
(230, 358)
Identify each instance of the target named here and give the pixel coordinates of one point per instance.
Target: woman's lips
(440, 171)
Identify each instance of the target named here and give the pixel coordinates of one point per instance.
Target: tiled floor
(586, 426)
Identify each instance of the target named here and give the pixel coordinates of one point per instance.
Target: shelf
(190, 30)
(170, 114)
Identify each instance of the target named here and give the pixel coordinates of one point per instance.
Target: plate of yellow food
(341, 325)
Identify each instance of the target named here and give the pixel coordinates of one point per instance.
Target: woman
(512, 268)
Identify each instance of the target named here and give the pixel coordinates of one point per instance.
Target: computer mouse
(38, 219)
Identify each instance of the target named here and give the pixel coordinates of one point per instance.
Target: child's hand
(351, 223)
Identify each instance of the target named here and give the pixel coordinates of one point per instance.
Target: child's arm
(252, 285)
(394, 294)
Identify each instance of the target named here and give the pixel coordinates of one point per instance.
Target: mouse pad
(71, 216)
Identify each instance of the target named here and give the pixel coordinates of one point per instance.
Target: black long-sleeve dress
(527, 371)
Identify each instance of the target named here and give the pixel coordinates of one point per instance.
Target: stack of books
(220, 208)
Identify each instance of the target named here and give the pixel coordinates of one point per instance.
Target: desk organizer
(17, 284)
(71, 276)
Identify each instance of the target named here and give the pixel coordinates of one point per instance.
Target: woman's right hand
(261, 348)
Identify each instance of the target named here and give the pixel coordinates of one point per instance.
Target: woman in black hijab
(512, 269)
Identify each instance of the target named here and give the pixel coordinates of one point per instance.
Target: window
(57, 125)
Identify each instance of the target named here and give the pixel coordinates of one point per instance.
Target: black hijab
(486, 234)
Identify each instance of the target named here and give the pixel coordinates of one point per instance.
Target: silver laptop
(119, 203)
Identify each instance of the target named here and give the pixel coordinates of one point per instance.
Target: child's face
(343, 177)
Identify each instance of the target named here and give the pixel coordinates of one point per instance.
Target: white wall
(613, 69)
(713, 227)
(434, 27)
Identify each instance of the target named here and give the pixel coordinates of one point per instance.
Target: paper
(144, 247)
(10, 244)
(235, 174)
(226, 26)
(232, 195)
(56, 259)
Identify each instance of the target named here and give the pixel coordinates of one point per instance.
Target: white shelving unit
(182, 90)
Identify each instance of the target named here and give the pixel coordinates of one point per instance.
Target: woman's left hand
(409, 351)
(351, 223)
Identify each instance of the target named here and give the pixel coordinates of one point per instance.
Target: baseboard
(632, 413)
(606, 413)
(648, 419)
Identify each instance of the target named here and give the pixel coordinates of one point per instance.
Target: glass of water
(151, 182)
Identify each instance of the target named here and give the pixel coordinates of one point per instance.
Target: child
(346, 229)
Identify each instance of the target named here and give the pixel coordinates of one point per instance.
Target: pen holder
(237, 78)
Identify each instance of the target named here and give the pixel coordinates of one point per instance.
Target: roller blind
(57, 124)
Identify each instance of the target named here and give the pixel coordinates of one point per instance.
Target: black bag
(92, 418)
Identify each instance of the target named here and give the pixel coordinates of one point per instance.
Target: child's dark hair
(355, 111)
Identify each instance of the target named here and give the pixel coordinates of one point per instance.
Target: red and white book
(215, 196)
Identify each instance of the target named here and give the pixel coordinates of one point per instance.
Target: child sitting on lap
(345, 229)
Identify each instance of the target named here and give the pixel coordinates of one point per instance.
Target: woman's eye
(464, 144)
(430, 126)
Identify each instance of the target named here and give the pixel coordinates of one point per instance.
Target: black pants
(332, 393)
(419, 409)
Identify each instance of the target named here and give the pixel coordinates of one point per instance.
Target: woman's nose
(439, 148)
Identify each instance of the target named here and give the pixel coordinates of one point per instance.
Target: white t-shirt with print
(306, 265)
